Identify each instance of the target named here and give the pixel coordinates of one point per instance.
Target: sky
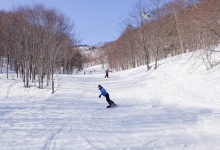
(95, 20)
(175, 107)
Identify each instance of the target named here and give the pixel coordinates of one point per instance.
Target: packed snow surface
(176, 107)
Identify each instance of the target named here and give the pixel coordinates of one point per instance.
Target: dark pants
(108, 99)
(106, 74)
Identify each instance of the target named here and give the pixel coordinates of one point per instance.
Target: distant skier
(104, 93)
(106, 73)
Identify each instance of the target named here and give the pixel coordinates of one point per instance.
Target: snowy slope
(174, 107)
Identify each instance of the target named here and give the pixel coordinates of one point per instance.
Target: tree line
(176, 27)
(36, 42)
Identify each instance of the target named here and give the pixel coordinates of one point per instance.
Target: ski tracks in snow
(147, 117)
(8, 87)
(139, 122)
(88, 130)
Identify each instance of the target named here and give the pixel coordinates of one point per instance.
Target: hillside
(173, 107)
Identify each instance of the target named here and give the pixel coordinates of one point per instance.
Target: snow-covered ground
(175, 107)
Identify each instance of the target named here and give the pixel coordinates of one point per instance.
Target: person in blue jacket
(105, 94)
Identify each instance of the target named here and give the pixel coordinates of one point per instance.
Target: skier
(104, 93)
(106, 73)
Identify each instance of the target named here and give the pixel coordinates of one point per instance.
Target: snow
(175, 107)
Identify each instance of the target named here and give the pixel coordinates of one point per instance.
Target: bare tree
(33, 41)
(138, 21)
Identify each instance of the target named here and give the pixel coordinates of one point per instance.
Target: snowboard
(111, 106)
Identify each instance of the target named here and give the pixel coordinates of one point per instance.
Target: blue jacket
(103, 91)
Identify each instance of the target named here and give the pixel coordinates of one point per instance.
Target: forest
(173, 28)
(37, 42)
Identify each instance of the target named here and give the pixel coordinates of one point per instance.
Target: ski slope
(176, 107)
